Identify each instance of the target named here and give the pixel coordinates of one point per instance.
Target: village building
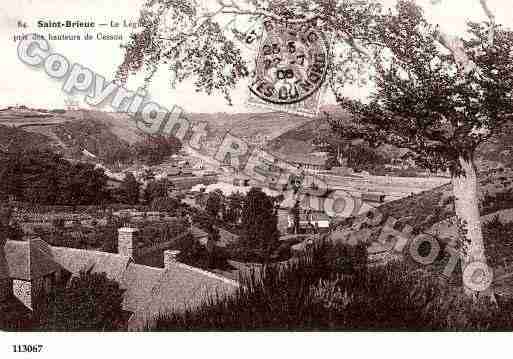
(187, 182)
(32, 269)
(308, 222)
(309, 163)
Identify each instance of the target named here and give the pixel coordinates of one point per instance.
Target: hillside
(11, 137)
(303, 141)
(495, 152)
(247, 125)
(108, 135)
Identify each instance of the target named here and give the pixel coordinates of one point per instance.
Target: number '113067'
(27, 348)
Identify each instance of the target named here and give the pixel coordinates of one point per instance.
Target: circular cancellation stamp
(291, 63)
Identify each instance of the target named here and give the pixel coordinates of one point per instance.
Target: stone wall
(23, 291)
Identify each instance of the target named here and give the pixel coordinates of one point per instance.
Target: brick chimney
(127, 241)
(170, 257)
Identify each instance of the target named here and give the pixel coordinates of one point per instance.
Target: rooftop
(179, 287)
(148, 290)
(29, 260)
(74, 260)
(301, 158)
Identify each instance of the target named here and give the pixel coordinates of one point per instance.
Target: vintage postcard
(253, 166)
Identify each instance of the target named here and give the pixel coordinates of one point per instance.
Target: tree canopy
(129, 190)
(91, 302)
(259, 223)
(45, 177)
(436, 94)
(215, 203)
(423, 103)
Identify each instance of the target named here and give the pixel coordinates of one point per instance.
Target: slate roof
(75, 260)
(138, 281)
(29, 260)
(180, 287)
(148, 290)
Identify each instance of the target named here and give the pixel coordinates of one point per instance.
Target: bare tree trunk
(465, 189)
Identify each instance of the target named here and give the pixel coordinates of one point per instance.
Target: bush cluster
(318, 291)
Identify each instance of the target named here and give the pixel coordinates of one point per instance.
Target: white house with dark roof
(31, 268)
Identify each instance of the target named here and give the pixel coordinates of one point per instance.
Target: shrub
(499, 241)
(195, 254)
(317, 291)
(275, 297)
(91, 302)
(166, 204)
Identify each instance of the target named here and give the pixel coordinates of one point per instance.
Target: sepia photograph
(324, 167)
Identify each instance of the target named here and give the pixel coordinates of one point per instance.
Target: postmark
(290, 66)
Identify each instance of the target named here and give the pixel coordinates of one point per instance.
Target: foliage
(91, 302)
(154, 149)
(44, 177)
(498, 201)
(156, 189)
(129, 190)
(439, 106)
(152, 232)
(170, 205)
(422, 102)
(203, 52)
(100, 237)
(14, 231)
(197, 47)
(233, 208)
(215, 203)
(318, 292)
(260, 234)
(9, 227)
(499, 238)
(95, 136)
(15, 139)
(359, 157)
(195, 254)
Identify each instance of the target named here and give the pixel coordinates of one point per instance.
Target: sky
(32, 87)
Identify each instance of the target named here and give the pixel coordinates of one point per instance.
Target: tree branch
(455, 46)
(252, 13)
(491, 16)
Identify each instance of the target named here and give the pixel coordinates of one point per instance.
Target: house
(31, 269)
(189, 181)
(305, 162)
(310, 221)
(373, 197)
(12, 311)
(199, 235)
